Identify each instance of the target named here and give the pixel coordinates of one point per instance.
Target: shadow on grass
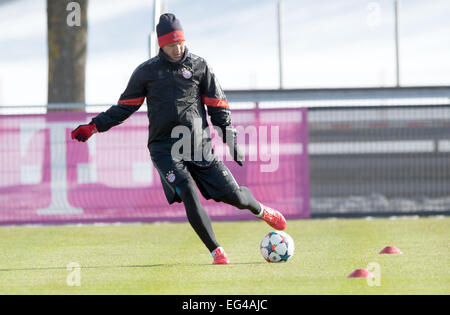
(119, 267)
(242, 263)
(88, 267)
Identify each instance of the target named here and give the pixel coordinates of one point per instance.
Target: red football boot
(274, 218)
(220, 257)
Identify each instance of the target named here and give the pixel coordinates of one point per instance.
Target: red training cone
(361, 273)
(391, 250)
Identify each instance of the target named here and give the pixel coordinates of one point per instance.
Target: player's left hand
(237, 153)
(230, 138)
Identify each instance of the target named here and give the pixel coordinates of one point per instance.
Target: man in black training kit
(178, 85)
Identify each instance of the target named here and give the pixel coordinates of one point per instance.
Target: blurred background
(360, 92)
(326, 43)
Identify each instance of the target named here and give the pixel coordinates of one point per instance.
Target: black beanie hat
(169, 30)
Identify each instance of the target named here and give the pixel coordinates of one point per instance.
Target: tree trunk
(67, 39)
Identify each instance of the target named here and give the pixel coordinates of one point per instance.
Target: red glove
(84, 132)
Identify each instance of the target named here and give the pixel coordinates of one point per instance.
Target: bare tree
(67, 44)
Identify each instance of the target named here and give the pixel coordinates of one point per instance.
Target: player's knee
(237, 198)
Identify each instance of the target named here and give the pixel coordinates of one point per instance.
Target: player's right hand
(84, 132)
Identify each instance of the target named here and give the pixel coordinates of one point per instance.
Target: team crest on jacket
(186, 73)
(170, 176)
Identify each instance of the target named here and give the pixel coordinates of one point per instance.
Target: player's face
(175, 50)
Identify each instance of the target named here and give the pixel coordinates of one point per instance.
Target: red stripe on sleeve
(215, 102)
(133, 101)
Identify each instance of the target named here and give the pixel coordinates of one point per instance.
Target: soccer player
(181, 89)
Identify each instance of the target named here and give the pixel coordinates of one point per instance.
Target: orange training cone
(361, 273)
(391, 250)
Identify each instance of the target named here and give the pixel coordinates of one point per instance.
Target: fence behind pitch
(379, 160)
(327, 161)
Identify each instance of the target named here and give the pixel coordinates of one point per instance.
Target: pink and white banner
(47, 178)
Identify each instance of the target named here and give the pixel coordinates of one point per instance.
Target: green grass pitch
(170, 259)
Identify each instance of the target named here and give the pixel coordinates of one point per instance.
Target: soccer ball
(277, 246)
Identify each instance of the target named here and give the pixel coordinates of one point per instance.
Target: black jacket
(176, 93)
